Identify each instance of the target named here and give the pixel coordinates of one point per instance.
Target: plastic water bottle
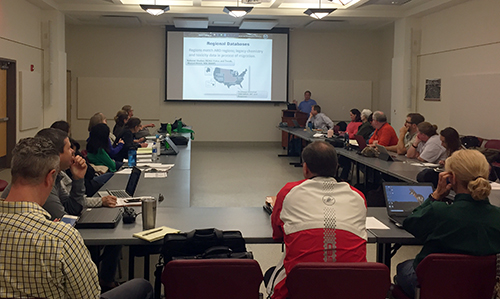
(346, 140)
(132, 158)
(169, 128)
(154, 156)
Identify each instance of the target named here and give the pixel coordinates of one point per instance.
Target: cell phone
(70, 219)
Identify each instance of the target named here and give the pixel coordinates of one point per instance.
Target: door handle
(4, 119)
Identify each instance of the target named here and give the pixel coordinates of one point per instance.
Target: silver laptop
(129, 191)
(385, 155)
(172, 148)
(402, 198)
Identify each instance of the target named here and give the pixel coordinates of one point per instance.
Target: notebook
(385, 155)
(156, 234)
(100, 218)
(172, 150)
(402, 198)
(129, 191)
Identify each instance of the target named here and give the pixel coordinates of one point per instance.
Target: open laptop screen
(403, 198)
(133, 181)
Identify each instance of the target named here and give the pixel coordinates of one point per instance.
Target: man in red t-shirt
(384, 134)
(318, 218)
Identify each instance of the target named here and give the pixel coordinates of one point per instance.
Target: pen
(155, 231)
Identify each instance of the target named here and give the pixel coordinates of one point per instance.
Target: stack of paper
(156, 234)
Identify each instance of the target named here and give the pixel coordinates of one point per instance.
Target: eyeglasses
(409, 122)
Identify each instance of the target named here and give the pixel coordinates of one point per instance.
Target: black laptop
(129, 191)
(402, 198)
(100, 218)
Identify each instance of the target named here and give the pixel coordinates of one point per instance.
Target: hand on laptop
(78, 168)
(109, 201)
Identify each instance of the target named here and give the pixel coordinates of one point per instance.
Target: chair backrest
(338, 280)
(493, 143)
(212, 278)
(3, 185)
(456, 276)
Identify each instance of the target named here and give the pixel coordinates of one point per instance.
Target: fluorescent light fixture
(343, 2)
(155, 10)
(236, 11)
(319, 13)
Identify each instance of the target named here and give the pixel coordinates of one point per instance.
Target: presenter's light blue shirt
(306, 106)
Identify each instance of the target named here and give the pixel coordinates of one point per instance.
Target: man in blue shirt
(307, 104)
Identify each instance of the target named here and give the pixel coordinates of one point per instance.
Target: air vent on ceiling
(120, 20)
(258, 24)
(386, 2)
(197, 23)
(251, 1)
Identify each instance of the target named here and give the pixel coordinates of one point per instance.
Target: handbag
(210, 243)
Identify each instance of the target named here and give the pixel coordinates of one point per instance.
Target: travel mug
(148, 213)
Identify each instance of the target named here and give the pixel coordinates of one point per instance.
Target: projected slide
(227, 68)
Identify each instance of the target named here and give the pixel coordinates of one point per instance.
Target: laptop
(361, 142)
(100, 218)
(385, 155)
(172, 150)
(402, 198)
(129, 191)
(291, 106)
(295, 123)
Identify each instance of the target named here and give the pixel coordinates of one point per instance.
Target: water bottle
(346, 139)
(169, 128)
(132, 157)
(154, 156)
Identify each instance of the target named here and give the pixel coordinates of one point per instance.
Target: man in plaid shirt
(38, 257)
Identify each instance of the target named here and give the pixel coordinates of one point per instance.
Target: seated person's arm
(412, 150)
(400, 148)
(329, 122)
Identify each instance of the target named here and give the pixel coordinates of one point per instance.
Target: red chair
(451, 276)
(493, 143)
(212, 279)
(3, 185)
(338, 280)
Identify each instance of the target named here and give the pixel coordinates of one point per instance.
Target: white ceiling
(362, 15)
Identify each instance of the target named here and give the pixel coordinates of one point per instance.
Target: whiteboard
(31, 100)
(336, 98)
(108, 95)
(476, 107)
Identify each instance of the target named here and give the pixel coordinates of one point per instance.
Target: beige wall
(21, 39)
(461, 45)
(139, 53)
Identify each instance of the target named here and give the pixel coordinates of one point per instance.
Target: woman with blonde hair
(468, 225)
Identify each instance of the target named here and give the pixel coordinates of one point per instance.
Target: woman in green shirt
(470, 225)
(98, 147)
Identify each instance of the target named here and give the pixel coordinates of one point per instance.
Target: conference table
(176, 212)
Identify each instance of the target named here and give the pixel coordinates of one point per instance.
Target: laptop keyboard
(119, 193)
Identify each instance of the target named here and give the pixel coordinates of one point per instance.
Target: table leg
(384, 254)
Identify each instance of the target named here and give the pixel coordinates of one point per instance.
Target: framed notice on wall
(432, 90)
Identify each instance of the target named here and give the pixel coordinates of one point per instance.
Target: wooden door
(3, 116)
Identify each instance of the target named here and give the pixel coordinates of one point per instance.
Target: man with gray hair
(41, 258)
(384, 134)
